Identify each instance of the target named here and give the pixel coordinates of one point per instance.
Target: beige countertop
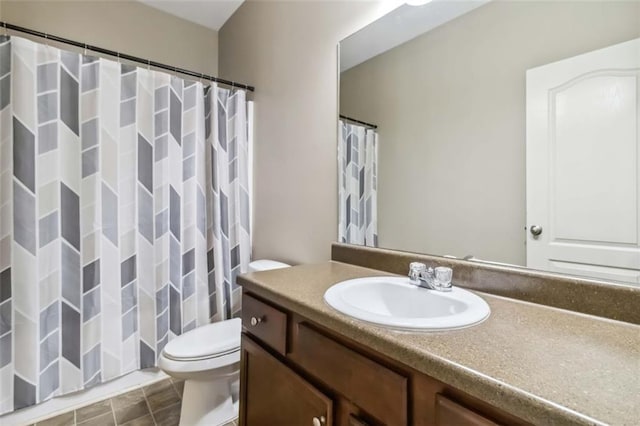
(542, 364)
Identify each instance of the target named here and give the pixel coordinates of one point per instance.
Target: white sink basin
(396, 303)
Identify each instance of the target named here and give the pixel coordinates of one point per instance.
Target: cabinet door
(272, 394)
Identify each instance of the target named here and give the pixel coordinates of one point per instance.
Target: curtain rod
(124, 56)
(364, 123)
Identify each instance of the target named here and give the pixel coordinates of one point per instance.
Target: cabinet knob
(319, 421)
(255, 321)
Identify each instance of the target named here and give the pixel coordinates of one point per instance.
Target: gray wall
(288, 50)
(127, 26)
(451, 109)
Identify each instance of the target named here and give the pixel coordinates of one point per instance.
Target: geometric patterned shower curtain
(228, 200)
(123, 216)
(357, 184)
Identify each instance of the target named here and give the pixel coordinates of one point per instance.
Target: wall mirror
(500, 131)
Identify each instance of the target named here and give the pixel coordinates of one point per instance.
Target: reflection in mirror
(357, 175)
(506, 131)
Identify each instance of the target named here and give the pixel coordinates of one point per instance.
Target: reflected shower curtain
(123, 216)
(357, 184)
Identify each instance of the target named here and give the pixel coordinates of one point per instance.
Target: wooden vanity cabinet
(294, 372)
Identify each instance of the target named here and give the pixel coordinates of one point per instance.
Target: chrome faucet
(433, 279)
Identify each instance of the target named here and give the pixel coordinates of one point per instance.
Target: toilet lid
(206, 341)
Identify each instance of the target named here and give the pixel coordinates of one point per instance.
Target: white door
(583, 164)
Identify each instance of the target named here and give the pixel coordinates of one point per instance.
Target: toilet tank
(266, 265)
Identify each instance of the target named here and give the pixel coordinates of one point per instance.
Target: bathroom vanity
(305, 364)
(296, 372)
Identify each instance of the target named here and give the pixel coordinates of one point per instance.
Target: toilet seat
(223, 364)
(205, 342)
(200, 358)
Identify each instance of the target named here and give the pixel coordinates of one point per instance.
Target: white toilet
(208, 359)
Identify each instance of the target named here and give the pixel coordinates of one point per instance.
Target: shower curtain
(357, 184)
(124, 216)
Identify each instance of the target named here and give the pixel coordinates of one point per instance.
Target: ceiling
(209, 13)
(399, 26)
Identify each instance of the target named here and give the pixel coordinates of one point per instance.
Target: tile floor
(154, 405)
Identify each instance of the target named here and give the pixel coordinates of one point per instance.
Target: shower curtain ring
(118, 53)
(148, 64)
(85, 49)
(6, 33)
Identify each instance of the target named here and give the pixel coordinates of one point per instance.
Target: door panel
(602, 272)
(594, 163)
(583, 164)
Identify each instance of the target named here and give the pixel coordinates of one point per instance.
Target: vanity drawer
(266, 323)
(374, 388)
(450, 413)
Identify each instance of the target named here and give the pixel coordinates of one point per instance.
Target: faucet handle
(443, 277)
(417, 266)
(415, 271)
